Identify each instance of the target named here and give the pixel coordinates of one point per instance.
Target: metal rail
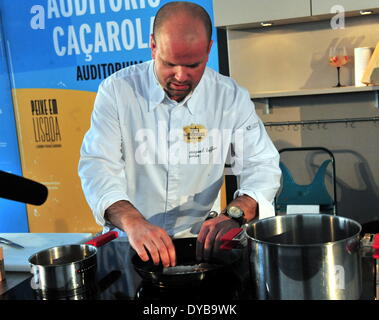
(320, 121)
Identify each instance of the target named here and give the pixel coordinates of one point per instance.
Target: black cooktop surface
(117, 279)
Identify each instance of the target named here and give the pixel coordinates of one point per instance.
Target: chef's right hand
(145, 238)
(148, 239)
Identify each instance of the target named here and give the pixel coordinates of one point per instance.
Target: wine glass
(338, 58)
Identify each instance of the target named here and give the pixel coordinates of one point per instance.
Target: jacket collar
(157, 93)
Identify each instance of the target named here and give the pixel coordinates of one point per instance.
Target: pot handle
(375, 245)
(103, 239)
(229, 240)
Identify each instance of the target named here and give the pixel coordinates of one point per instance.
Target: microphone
(13, 187)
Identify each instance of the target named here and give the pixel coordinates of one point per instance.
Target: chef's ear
(153, 46)
(210, 46)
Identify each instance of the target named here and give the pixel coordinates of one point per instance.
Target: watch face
(235, 212)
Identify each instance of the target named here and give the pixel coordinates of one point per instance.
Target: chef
(152, 162)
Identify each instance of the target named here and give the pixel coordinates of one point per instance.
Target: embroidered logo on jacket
(194, 133)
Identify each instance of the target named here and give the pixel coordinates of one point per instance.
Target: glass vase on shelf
(338, 58)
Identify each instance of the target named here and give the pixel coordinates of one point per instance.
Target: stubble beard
(178, 95)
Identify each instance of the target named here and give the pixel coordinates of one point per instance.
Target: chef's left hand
(209, 238)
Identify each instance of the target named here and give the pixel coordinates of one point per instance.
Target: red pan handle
(375, 245)
(103, 239)
(228, 241)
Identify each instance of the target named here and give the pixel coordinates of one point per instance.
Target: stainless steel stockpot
(304, 256)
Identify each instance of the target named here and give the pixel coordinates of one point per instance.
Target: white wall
(296, 57)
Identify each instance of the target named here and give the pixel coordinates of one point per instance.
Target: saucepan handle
(103, 239)
(231, 239)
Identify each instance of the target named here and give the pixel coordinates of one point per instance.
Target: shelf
(267, 95)
(243, 14)
(308, 92)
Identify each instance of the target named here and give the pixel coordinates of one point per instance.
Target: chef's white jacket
(168, 158)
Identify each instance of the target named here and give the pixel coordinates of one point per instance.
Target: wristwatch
(236, 214)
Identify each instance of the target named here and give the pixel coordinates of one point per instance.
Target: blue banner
(13, 217)
(83, 41)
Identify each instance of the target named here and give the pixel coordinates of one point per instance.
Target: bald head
(190, 19)
(180, 46)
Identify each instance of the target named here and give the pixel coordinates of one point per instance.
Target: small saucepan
(69, 267)
(188, 272)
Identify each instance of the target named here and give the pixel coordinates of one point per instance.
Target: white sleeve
(101, 164)
(256, 160)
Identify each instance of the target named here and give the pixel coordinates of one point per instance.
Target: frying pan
(188, 271)
(69, 267)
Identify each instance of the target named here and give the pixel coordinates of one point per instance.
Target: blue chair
(314, 193)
